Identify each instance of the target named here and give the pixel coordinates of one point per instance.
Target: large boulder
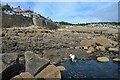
(49, 72)
(34, 63)
(10, 66)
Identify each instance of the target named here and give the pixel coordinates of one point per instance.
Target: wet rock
(49, 72)
(116, 59)
(34, 63)
(81, 54)
(103, 59)
(61, 68)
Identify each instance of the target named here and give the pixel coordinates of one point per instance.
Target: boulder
(17, 77)
(34, 63)
(23, 76)
(91, 49)
(77, 47)
(113, 49)
(85, 47)
(116, 59)
(10, 67)
(101, 48)
(103, 59)
(89, 52)
(26, 75)
(49, 72)
(61, 68)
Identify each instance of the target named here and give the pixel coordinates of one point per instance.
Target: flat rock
(49, 72)
(116, 59)
(113, 49)
(87, 43)
(103, 59)
(89, 52)
(34, 63)
(26, 75)
(61, 68)
(85, 47)
(102, 41)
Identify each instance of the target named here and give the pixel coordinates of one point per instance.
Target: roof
(23, 11)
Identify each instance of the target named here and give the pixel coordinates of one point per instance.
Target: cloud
(107, 12)
(85, 20)
(75, 12)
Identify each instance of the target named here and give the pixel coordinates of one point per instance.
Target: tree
(6, 7)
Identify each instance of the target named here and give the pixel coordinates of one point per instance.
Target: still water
(90, 69)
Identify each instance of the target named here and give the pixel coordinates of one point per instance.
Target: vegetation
(83, 24)
(6, 7)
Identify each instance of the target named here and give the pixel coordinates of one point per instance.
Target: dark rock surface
(34, 63)
(10, 65)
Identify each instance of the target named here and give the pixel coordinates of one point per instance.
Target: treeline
(84, 24)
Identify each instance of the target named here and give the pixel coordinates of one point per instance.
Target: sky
(73, 12)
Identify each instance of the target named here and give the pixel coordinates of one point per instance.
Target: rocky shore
(38, 49)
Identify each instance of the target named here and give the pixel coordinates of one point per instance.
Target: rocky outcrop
(15, 20)
(34, 63)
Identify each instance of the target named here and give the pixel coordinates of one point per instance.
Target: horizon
(73, 12)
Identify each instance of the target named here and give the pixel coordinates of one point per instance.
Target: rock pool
(90, 69)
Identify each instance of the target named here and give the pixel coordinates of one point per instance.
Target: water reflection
(90, 69)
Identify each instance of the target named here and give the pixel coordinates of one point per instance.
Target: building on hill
(27, 13)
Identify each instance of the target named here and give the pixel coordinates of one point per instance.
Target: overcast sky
(74, 12)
